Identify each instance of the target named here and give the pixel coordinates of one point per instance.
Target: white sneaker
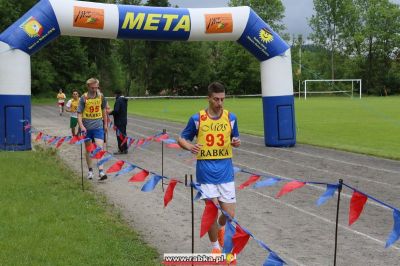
(90, 175)
(102, 175)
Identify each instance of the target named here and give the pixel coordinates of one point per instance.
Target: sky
(297, 12)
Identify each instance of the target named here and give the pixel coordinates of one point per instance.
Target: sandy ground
(293, 226)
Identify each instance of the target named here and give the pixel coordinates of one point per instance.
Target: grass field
(370, 125)
(45, 218)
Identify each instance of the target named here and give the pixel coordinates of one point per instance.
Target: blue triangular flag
(169, 141)
(198, 196)
(82, 141)
(104, 160)
(151, 183)
(229, 232)
(131, 167)
(267, 182)
(95, 151)
(67, 139)
(395, 234)
(55, 141)
(273, 260)
(330, 191)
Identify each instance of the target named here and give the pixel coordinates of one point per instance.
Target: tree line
(350, 39)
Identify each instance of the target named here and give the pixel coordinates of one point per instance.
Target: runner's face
(93, 87)
(75, 95)
(216, 102)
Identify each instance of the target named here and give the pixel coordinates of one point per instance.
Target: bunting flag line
(169, 193)
(210, 213)
(329, 192)
(151, 183)
(357, 203)
(116, 167)
(139, 177)
(395, 234)
(239, 239)
(289, 187)
(252, 179)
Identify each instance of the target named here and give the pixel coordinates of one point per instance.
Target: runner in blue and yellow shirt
(217, 132)
(92, 121)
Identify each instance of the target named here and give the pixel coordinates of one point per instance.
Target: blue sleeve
(190, 130)
(235, 128)
(81, 105)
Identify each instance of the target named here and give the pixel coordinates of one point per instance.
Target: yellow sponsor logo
(266, 36)
(152, 21)
(32, 27)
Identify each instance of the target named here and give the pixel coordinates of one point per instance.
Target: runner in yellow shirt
(61, 99)
(72, 107)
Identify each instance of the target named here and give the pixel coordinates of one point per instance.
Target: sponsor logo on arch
(219, 23)
(88, 17)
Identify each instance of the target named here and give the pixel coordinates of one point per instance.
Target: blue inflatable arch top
(51, 18)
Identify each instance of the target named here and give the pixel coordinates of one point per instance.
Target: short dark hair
(215, 87)
(117, 92)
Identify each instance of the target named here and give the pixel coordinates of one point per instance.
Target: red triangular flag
(357, 203)
(173, 146)
(39, 136)
(289, 187)
(91, 147)
(149, 138)
(169, 193)
(124, 141)
(140, 142)
(51, 140)
(139, 177)
(163, 136)
(209, 215)
(115, 167)
(74, 139)
(99, 155)
(252, 179)
(239, 239)
(60, 142)
(121, 136)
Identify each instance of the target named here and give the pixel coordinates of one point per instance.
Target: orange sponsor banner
(219, 23)
(87, 17)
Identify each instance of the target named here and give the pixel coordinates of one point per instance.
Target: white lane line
(298, 152)
(306, 166)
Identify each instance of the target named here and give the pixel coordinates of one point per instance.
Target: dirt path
(293, 226)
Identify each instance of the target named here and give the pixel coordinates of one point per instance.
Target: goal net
(331, 87)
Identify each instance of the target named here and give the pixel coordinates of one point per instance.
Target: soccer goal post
(333, 90)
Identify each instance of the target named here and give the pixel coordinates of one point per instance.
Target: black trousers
(122, 129)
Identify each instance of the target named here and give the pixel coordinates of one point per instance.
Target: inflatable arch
(51, 18)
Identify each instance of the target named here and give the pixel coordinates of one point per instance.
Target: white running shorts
(223, 192)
